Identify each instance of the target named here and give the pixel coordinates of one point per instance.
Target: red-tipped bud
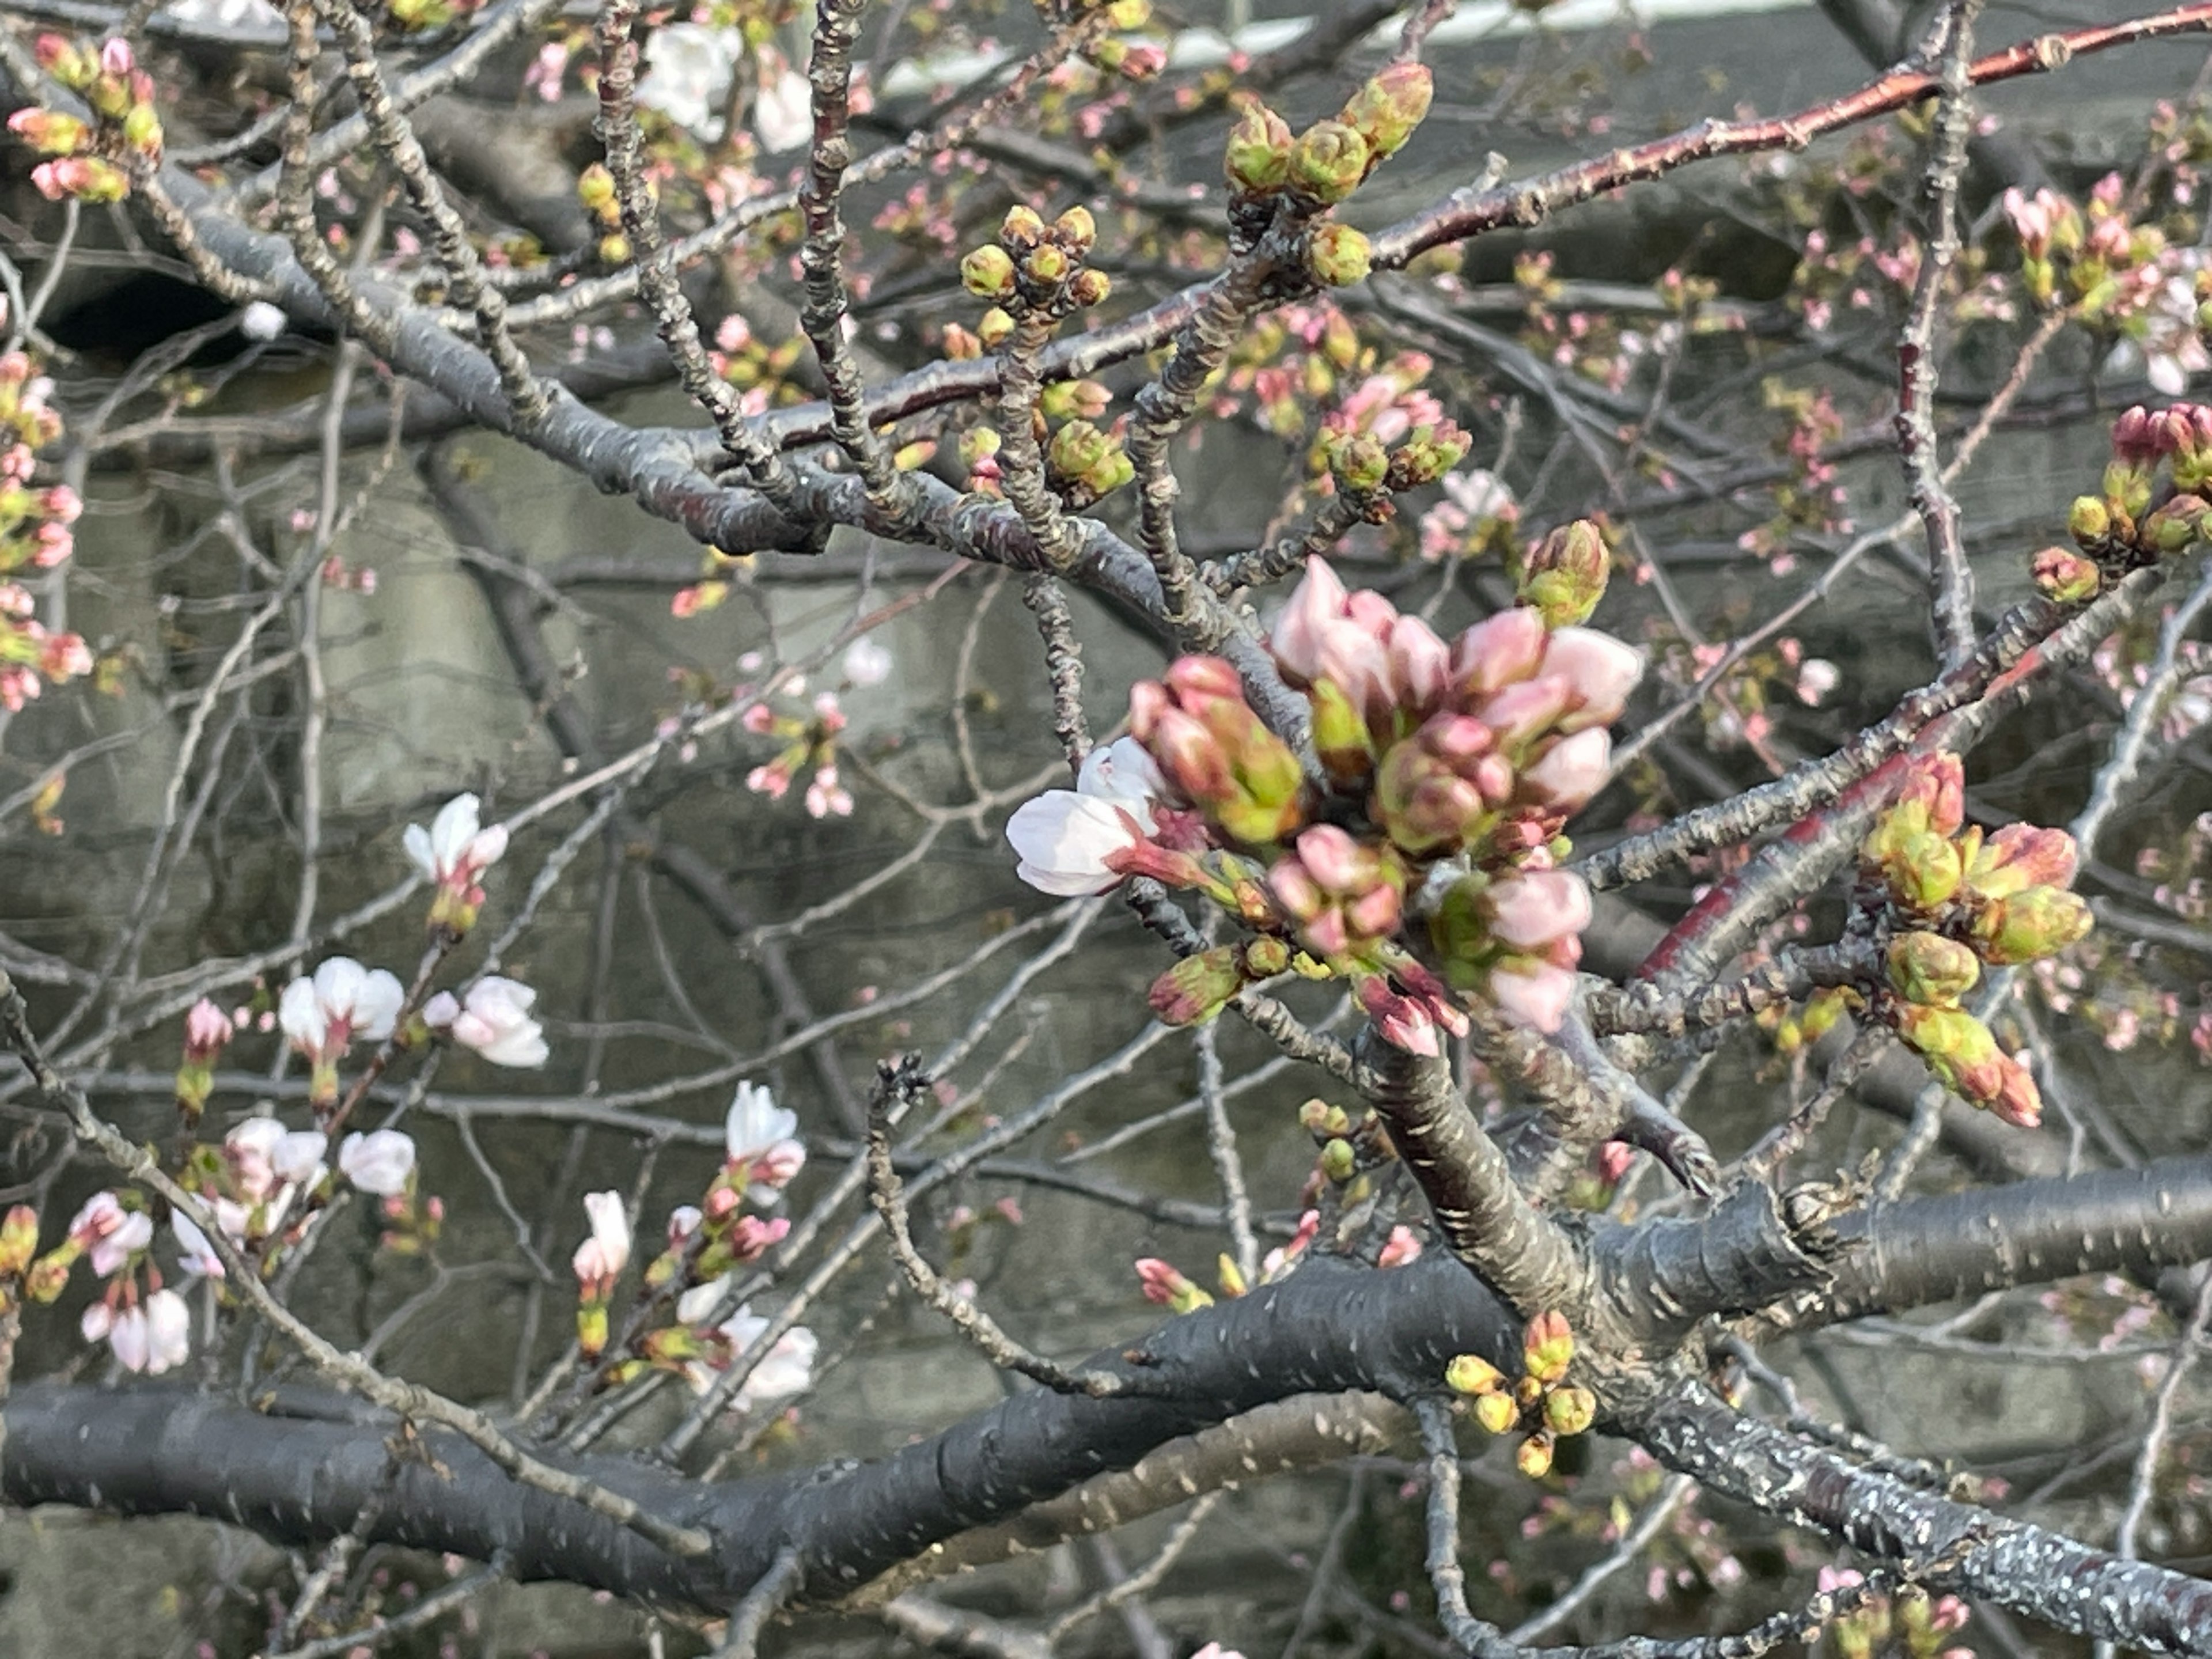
(2066, 578)
(1198, 988)
(1164, 1284)
(2018, 857)
(1548, 1346)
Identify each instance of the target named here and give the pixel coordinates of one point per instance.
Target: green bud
(595, 186)
(1564, 576)
(19, 1240)
(1047, 265)
(995, 328)
(1548, 1346)
(1930, 968)
(1496, 1411)
(1339, 1162)
(1088, 288)
(142, 130)
(1327, 162)
(1076, 230)
(1022, 229)
(1340, 736)
(1470, 1373)
(1338, 256)
(1358, 463)
(2030, 926)
(1533, 1456)
(1570, 1410)
(1266, 957)
(1386, 110)
(2175, 527)
(1258, 157)
(988, 273)
(1198, 988)
(2089, 522)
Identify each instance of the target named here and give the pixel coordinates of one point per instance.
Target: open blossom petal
(379, 1162)
(252, 1150)
(783, 111)
(343, 1001)
(1123, 771)
(1572, 770)
(1063, 841)
(789, 1367)
(299, 1157)
(1535, 907)
(200, 1260)
(168, 1331)
(133, 1233)
(867, 663)
(1602, 669)
(687, 75)
(600, 1259)
(127, 1337)
(756, 1126)
(495, 1021)
(454, 850)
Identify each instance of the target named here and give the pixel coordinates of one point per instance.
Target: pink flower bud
(1601, 670)
(1532, 908)
(1571, 772)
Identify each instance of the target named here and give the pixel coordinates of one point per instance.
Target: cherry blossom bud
(1471, 1373)
(2066, 578)
(1022, 229)
(2176, 527)
(1531, 993)
(2029, 926)
(994, 328)
(1257, 159)
(1533, 1457)
(1328, 161)
(19, 1240)
(1500, 651)
(600, 1259)
(454, 853)
(1076, 230)
(1564, 576)
(1089, 287)
(1164, 1284)
(1386, 110)
(1548, 1346)
(1337, 256)
(1403, 1246)
(48, 131)
(1197, 987)
(1047, 265)
(1532, 908)
(988, 273)
(590, 1329)
(1570, 772)
(1927, 968)
(2018, 857)
(2090, 524)
(1496, 1413)
(1570, 1410)
(1215, 749)
(64, 61)
(1600, 670)
(1429, 453)
(1964, 1057)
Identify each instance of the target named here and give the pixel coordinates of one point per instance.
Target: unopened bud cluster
(1958, 900)
(595, 189)
(91, 161)
(2156, 498)
(1034, 275)
(1322, 165)
(2098, 268)
(1473, 752)
(1541, 1400)
(35, 532)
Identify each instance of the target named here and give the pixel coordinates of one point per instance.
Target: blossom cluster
(34, 531)
(1957, 900)
(707, 1243)
(1541, 1398)
(1460, 761)
(2154, 502)
(91, 161)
